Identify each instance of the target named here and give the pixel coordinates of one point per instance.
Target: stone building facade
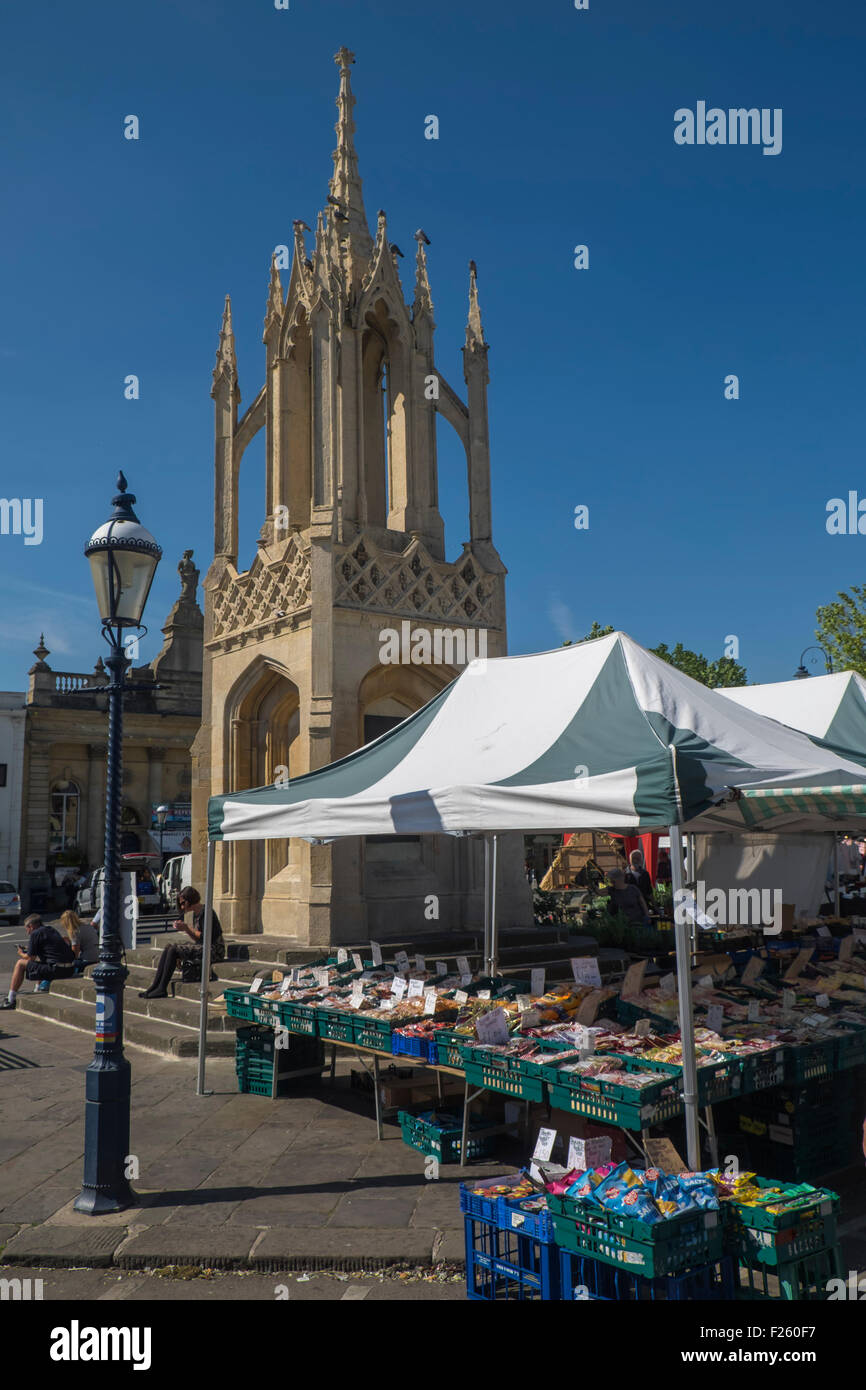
(63, 807)
(352, 546)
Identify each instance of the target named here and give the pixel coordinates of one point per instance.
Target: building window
(3, 774)
(65, 802)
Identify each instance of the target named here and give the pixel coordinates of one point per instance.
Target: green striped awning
(759, 804)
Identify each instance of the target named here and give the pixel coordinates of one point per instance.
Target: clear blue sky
(707, 516)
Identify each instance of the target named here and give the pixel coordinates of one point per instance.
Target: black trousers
(168, 961)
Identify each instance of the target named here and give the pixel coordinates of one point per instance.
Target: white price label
(324, 978)
(356, 961)
(544, 1145)
(416, 989)
(398, 986)
(357, 997)
(430, 1002)
(375, 953)
(824, 931)
(668, 984)
(493, 1027)
(754, 1011)
(823, 1001)
(342, 956)
(388, 1002)
(789, 999)
(536, 987)
(256, 985)
(484, 994)
(466, 979)
(421, 965)
(522, 1002)
(463, 966)
(461, 996)
(715, 1018)
(633, 982)
(286, 985)
(585, 970)
(401, 960)
(441, 968)
(705, 982)
(643, 1028)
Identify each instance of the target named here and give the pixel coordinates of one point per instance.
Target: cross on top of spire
(345, 57)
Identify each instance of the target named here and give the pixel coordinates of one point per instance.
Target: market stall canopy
(831, 710)
(600, 735)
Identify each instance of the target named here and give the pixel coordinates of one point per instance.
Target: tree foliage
(722, 672)
(842, 630)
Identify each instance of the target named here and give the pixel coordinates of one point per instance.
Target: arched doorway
(262, 725)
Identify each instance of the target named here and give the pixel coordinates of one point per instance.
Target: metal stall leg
(377, 1094)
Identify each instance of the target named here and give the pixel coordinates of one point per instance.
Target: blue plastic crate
(427, 1049)
(505, 1266)
(514, 1216)
(484, 1208)
(583, 1278)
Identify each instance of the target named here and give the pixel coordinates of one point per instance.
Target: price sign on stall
(398, 986)
(463, 966)
(799, 963)
(357, 996)
(643, 1027)
(715, 1018)
(668, 984)
(256, 985)
(754, 1011)
(484, 994)
(585, 970)
(430, 1002)
(401, 960)
(441, 968)
(286, 985)
(466, 979)
(342, 955)
(421, 965)
(375, 953)
(356, 961)
(416, 989)
(846, 946)
(493, 1027)
(633, 981)
(461, 996)
(544, 1145)
(536, 987)
(824, 931)
(823, 1001)
(789, 999)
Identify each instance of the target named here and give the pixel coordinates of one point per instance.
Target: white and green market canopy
(831, 710)
(600, 735)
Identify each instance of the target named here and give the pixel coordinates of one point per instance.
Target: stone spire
(423, 298)
(226, 361)
(474, 330)
(274, 309)
(346, 198)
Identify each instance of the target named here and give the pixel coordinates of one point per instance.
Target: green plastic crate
(664, 1247)
(444, 1142)
(716, 1082)
(372, 1032)
(811, 1062)
(802, 1280)
(298, 1018)
(448, 1045)
(497, 1071)
(851, 1050)
(629, 1013)
(610, 1102)
(239, 1003)
(336, 1025)
(815, 1231)
(762, 1071)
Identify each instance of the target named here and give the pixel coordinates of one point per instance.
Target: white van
(177, 872)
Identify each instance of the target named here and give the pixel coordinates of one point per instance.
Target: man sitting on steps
(188, 900)
(49, 956)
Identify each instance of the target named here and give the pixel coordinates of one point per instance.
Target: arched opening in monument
(295, 425)
(251, 503)
(383, 368)
(262, 727)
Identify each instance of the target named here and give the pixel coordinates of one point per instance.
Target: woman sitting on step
(188, 900)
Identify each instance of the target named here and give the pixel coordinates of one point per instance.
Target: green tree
(842, 630)
(722, 672)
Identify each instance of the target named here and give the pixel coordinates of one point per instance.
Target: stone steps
(138, 1030)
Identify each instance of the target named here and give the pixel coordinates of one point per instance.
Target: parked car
(10, 904)
(177, 872)
(89, 898)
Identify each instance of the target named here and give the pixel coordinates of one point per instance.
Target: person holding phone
(47, 956)
(188, 900)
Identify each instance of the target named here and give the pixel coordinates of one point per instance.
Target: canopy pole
(836, 870)
(684, 989)
(487, 933)
(206, 939)
(494, 934)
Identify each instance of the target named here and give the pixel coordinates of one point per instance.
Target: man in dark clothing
(188, 900)
(49, 956)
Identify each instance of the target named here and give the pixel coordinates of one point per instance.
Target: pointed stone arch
(261, 724)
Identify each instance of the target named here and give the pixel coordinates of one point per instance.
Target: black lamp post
(161, 813)
(801, 673)
(123, 559)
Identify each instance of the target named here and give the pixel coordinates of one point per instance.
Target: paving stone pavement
(226, 1181)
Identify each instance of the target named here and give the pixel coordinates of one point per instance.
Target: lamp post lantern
(123, 559)
(801, 673)
(161, 813)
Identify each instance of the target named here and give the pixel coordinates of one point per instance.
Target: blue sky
(707, 516)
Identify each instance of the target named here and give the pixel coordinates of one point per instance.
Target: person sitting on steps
(49, 956)
(188, 900)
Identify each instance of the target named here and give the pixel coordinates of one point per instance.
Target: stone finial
(474, 329)
(274, 309)
(346, 194)
(41, 652)
(226, 368)
(423, 303)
